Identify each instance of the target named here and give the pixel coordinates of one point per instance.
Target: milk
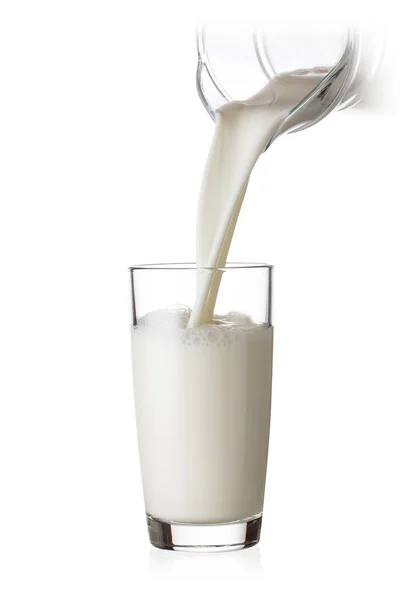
(202, 399)
(242, 132)
(203, 383)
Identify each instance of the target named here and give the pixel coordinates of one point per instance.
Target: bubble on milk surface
(174, 316)
(171, 322)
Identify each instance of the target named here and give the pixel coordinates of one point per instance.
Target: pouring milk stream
(242, 132)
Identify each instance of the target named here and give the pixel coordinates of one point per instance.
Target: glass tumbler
(202, 400)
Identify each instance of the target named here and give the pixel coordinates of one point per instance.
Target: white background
(102, 145)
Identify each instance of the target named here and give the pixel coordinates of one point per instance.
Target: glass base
(218, 537)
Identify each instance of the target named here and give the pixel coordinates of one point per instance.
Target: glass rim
(190, 266)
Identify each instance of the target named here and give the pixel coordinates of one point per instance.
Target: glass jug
(237, 60)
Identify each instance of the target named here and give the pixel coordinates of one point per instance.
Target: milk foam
(225, 329)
